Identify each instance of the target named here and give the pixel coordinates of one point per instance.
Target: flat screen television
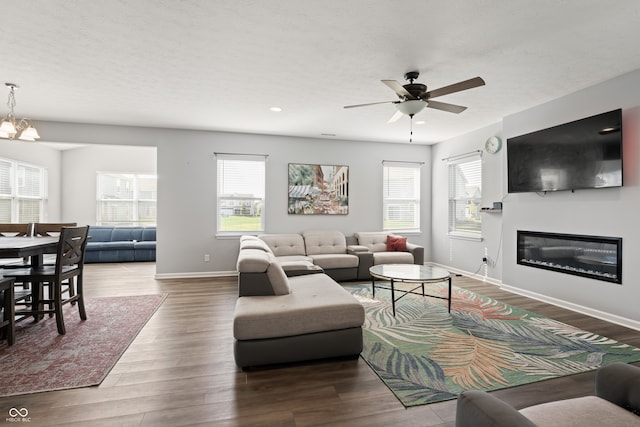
(585, 153)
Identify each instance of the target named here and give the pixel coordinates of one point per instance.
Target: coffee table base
(411, 291)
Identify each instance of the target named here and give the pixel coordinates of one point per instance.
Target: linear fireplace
(589, 256)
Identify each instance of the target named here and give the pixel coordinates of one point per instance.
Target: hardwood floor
(180, 369)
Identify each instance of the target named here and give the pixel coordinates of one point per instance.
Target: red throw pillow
(396, 244)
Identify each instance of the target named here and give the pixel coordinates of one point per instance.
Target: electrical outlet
(207, 257)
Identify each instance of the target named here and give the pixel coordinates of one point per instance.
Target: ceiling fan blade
(395, 117)
(451, 108)
(371, 103)
(456, 87)
(398, 88)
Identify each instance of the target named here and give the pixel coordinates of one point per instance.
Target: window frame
(472, 161)
(257, 198)
(135, 200)
(389, 200)
(15, 196)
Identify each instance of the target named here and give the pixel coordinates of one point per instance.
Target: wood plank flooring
(180, 369)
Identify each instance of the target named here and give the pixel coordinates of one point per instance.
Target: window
(23, 192)
(401, 196)
(126, 199)
(241, 188)
(465, 196)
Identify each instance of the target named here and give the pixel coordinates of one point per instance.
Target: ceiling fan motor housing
(416, 89)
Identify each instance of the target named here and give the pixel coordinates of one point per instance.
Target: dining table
(33, 247)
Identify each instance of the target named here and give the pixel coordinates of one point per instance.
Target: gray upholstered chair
(616, 403)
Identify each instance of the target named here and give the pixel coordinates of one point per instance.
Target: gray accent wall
(460, 253)
(600, 212)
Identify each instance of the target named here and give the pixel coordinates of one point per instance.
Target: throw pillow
(396, 244)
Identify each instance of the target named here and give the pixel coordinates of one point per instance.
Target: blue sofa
(121, 244)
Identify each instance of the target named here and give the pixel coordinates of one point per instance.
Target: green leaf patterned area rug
(426, 355)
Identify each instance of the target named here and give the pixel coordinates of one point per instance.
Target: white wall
(186, 169)
(43, 156)
(187, 219)
(463, 254)
(80, 166)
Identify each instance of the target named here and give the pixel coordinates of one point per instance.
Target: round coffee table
(409, 273)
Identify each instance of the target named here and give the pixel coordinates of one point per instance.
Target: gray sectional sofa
(290, 307)
(616, 403)
(282, 319)
(339, 256)
(121, 244)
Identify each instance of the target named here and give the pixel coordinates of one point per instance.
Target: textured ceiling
(220, 65)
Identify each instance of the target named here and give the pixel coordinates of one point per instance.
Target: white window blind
(6, 191)
(126, 199)
(23, 192)
(401, 196)
(465, 196)
(241, 193)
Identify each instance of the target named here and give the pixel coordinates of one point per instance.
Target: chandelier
(10, 127)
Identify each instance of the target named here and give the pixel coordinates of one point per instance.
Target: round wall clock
(493, 145)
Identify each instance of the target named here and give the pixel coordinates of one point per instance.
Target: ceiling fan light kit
(411, 107)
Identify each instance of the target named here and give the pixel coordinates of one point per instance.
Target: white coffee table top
(409, 272)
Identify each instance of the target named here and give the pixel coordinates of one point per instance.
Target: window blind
(240, 193)
(22, 192)
(126, 199)
(401, 196)
(465, 196)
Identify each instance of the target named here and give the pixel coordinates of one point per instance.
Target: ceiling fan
(414, 97)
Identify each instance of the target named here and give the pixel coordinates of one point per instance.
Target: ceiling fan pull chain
(410, 128)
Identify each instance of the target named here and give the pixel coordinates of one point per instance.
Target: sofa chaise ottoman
(279, 319)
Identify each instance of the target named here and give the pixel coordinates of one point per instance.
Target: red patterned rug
(42, 360)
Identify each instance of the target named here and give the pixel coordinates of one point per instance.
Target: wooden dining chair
(16, 230)
(60, 279)
(50, 229)
(43, 229)
(8, 320)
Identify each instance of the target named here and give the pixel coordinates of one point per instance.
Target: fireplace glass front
(589, 256)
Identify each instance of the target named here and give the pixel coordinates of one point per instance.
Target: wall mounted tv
(585, 153)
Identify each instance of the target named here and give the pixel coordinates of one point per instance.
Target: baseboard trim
(476, 276)
(196, 275)
(608, 317)
(602, 315)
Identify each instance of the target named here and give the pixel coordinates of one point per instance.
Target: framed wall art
(318, 189)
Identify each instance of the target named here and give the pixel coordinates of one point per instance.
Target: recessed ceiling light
(275, 109)
(420, 122)
(327, 134)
